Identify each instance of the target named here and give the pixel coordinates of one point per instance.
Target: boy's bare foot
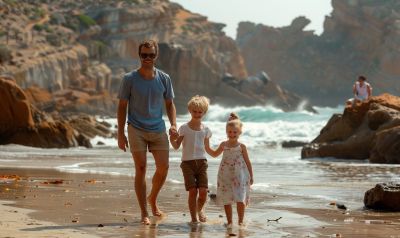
(145, 221)
(154, 208)
(202, 216)
(228, 225)
(193, 223)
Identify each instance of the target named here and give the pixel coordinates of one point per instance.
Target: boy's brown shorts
(195, 173)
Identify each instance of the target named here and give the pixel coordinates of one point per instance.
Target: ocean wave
(262, 125)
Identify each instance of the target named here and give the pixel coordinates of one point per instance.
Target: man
(144, 91)
(361, 89)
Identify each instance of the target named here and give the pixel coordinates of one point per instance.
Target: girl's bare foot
(202, 216)
(145, 221)
(154, 208)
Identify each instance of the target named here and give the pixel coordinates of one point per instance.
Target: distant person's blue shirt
(146, 99)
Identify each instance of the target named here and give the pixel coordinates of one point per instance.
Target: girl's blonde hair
(200, 102)
(234, 120)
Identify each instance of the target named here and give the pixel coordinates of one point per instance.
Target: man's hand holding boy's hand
(173, 133)
(173, 136)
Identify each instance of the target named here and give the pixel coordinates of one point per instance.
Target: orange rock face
(21, 123)
(369, 130)
(14, 106)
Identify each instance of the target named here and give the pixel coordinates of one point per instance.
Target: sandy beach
(47, 203)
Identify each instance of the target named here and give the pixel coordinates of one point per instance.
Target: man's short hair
(363, 78)
(199, 102)
(148, 44)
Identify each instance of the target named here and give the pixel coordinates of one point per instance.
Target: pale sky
(275, 13)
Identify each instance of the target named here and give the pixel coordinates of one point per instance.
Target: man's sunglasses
(151, 55)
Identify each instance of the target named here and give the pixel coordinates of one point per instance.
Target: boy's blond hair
(200, 102)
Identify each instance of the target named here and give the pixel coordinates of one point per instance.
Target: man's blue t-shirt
(146, 99)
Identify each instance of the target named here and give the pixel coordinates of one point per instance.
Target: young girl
(235, 173)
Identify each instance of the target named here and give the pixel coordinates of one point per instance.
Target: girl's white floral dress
(233, 177)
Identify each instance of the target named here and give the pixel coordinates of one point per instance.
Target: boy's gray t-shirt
(146, 99)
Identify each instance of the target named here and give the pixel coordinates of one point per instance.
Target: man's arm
(121, 119)
(171, 113)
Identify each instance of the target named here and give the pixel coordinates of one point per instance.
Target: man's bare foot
(154, 208)
(202, 216)
(145, 221)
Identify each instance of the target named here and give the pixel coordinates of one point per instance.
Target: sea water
(277, 170)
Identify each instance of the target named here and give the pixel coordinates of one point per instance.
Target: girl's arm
(176, 143)
(247, 161)
(213, 153)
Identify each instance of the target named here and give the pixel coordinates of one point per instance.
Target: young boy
(194, 163)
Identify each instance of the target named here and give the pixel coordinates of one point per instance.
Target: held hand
(173, 136)
(122, 142)
(251, 181)
(173, 131)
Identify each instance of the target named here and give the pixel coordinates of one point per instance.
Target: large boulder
(383, 197)
(369, 130)
(22, 123)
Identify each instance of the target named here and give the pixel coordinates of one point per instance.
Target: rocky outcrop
(195, 52)
(360, 37)
(369, 130)
(79, 50)
(385, 196)
(22, 123)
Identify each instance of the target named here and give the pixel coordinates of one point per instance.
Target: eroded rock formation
(360, 37)
(22, 123)
(369, 130)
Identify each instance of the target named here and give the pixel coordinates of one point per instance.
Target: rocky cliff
(22, 123)
(36, 50)
(79, 50)
(360, 37)
(369, 130)
(195, 52)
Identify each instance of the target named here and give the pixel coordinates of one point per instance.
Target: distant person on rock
(362, 91)
(144, 91)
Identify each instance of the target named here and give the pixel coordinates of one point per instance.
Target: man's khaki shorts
(140, 140)
(195, 173)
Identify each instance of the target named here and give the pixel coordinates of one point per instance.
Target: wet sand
(47, 203)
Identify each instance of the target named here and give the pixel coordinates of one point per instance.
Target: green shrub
(54, 40)
(10, 2)
(38, 27)
(86, 21)
(5, 54)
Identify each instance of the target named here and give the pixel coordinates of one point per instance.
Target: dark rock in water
(385, 196)
(100, 143)
(293, 143)
(106, 124)
(341, 206)
(84, 140)
(212, 195)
